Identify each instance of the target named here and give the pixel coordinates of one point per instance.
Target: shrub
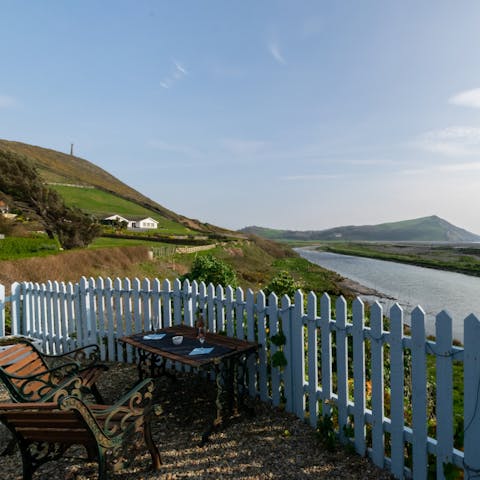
(282, 284)
(209, 269)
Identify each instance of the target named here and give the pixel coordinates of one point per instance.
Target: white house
(133, 223)
(143, 222)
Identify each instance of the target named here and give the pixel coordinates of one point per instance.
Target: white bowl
(177, 339)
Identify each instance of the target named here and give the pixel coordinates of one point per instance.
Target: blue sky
(285, 114)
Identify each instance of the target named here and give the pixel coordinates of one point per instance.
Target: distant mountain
(427, 229)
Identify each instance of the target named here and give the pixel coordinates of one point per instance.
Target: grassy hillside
(429, 229)
(58, 167)
(256, 262)
(101, 204)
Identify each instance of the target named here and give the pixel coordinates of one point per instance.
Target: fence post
(377, 379)
(326, 355)
(2, 310)
(287, 350)
(262, 351)
(298, 356)
(251, 362)
(15, 308)
(273, 316)
(397, 395)
(444, 397)
(312, 358)
(419, 399)
(471, 397)
(342, 365)
(359, 376)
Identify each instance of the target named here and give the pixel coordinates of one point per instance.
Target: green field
(102, 204)
(13, 248)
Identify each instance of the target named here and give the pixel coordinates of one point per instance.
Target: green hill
(61, 170)
(427, 229)
(101, 204)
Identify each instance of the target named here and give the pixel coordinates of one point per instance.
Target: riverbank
(357, 289)
(456, 257)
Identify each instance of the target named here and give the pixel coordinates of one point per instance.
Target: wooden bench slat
(11, 352)
(26, 366)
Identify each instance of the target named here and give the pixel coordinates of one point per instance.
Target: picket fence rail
(389, 393)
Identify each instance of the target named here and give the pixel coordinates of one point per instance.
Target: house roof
(116, 217)
(139, 219)
(134, 218)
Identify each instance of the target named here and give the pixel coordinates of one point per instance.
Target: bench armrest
(84, 356)
(111, 424)
(44, 383)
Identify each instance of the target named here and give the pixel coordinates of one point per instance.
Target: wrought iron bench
(45, 430)
(31, 376)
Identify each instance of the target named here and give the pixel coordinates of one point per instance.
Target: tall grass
(20, 247)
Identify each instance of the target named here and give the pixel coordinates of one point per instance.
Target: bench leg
(152, 448)
(97, 394)
(35, 454)
(102, 464)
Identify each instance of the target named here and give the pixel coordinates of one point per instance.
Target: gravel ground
(271, 444)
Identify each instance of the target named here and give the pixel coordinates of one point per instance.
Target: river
(409, 285)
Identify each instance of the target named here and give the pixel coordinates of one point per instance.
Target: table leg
(229, 377)
(151, 365)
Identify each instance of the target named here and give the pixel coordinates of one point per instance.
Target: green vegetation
(12, 248)
(462, 259)
(102, 204)
(257, 262)
(210, 269)
(282, 284)
(21, 182)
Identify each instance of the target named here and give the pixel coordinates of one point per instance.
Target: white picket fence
(371, 380)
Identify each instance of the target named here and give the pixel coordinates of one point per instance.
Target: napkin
(201, 351)
(154, 336)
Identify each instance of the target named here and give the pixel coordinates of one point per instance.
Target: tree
(20, 179)
(209, 269)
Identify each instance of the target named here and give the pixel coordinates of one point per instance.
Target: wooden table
(228, 360)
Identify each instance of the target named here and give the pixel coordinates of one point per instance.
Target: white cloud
(451, 141)
(179, 69)
(468, 98)
(7, 101)
(177, 73)
(460, 167)
(274, 50)
(465, 167)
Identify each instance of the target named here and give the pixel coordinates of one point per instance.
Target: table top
(223, 347)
